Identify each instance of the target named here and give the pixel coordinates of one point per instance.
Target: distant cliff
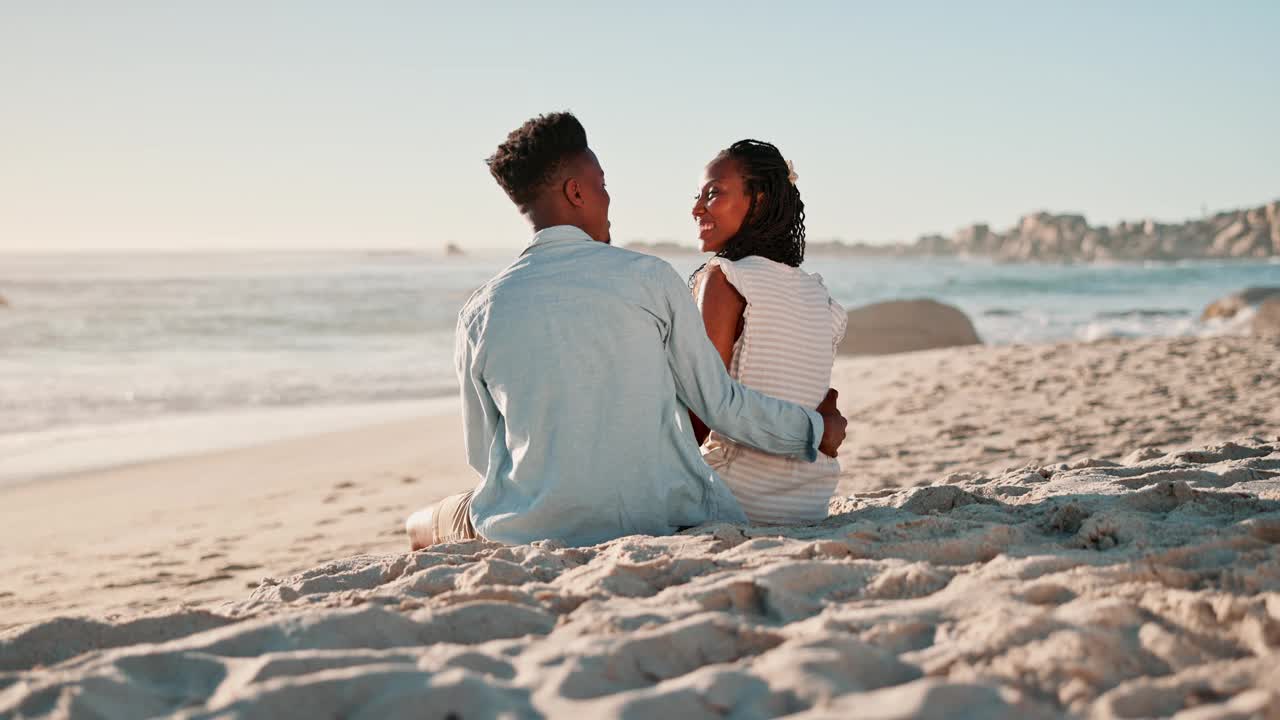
(1251, 233)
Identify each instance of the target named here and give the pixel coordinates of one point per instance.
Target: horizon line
(638, 239)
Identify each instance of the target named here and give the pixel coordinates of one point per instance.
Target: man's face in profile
(595, 207)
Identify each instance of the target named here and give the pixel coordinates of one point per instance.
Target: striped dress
(791, 328)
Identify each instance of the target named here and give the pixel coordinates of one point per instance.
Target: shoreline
(56, 453)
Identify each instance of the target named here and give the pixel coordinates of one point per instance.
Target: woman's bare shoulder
(716, 289)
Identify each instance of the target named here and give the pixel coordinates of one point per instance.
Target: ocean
(114, 358)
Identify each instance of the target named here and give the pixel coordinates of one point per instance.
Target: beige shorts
(453, 519)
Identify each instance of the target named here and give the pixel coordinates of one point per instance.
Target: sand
(1072, 530)
(205, 529)
(917, 417)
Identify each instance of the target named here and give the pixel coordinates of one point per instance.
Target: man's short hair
(534, 153)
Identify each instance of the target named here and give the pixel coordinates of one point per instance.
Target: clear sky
(237, 124)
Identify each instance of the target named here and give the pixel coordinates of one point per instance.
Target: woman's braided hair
(774, 225)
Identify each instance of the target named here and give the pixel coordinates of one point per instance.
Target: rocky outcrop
(1229, 306)
(905, 326)
(1043, 236)
(1267, 319)
(452, 250)
(1252, 233)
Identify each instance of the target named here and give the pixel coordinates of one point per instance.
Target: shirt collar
(558, 233)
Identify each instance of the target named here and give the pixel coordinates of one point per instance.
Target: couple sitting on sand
(590, 377)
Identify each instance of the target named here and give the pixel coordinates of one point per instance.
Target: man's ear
(573, 192)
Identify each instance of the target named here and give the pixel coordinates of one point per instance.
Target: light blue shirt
(577, 365)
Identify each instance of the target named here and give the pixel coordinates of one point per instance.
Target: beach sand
(202, 530)
(1077, 529)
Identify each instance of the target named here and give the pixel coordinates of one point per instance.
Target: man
(578, 365)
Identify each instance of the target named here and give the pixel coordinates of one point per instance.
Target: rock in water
(1228, 306)
(904, 326)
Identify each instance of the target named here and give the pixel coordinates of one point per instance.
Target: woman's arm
(722, 307)
(746, 416)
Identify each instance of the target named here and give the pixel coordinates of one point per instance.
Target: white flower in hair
(791, 173)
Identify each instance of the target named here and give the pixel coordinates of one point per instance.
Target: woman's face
(721, 204)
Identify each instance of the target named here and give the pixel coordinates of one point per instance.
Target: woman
(776, 327)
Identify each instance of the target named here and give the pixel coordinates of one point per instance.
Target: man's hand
(833, 424)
